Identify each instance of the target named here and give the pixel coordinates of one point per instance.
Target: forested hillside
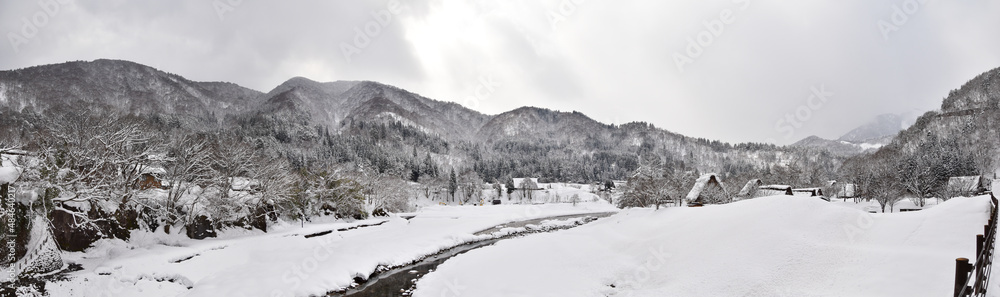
(127, 146)
(959, 140)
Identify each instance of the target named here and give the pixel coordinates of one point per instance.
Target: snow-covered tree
(527, 188)
(188, 167)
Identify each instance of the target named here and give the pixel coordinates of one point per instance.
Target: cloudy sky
(741, 70)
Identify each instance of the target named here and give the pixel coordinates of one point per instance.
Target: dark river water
(400, 281)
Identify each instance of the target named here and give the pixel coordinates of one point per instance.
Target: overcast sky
(728, 70)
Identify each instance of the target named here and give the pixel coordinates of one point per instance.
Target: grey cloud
(612, 60)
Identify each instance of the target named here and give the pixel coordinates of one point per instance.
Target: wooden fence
(971, 279)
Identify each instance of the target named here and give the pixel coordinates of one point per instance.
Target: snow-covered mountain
(335, 104)
(875, 131)
(865, 138)
(121, 86)
(301, 111)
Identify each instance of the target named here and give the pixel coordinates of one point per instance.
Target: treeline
(663, 180)
(99, 175)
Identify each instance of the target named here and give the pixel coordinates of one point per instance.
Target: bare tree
(880, 180)
(471, 186)
(382, 191)
(527, 186)
(231, 158)
(94, 157)
(188, 166)
(274, 180)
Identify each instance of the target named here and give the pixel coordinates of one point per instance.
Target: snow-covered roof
(153, 170)
(157, 157)
(776, 187)
(244, 184)
(750, 187)
(518, 180)
(9, 174)
(700, 184)
(965, 183)
(774, 190)
(18, 152)
(808, 192)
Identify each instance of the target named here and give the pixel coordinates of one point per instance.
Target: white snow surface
(9, 174)
(283, 262)
(770, 246)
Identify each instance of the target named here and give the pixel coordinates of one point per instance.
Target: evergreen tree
(452, 184)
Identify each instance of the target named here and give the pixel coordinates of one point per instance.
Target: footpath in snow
(771, 246)
(285, 263)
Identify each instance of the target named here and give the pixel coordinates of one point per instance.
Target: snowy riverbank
(772, 246)
(284, 262)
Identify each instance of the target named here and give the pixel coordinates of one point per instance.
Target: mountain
(885, 125)
(960, 139)
(540, 123)
(334, 104)
(969, 118)
(836, 147)
(312, 122)
(865, 138)
(121, 86)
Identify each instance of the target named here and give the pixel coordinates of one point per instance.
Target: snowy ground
(873, 206)
(772, 246)
(284, 262)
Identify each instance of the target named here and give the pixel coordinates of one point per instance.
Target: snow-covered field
(873, 206)
(772, 246)
(284, 262)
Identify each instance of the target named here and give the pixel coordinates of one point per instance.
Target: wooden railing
(972, 279)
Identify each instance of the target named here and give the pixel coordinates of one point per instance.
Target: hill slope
(349, 121)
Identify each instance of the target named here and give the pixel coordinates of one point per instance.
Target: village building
(966, 185)
(774, 190)
(810, 192)
(708, 189)
(750, 189)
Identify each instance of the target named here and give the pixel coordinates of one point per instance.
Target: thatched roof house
(707, 189)
(808, 192)
(750, 189)
(774, 190)
(966, 185)
(530, 182)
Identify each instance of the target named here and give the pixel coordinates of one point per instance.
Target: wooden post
(961, 275)
(981, 260)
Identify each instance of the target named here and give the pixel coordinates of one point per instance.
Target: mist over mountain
(865, 138)
(884, 125)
